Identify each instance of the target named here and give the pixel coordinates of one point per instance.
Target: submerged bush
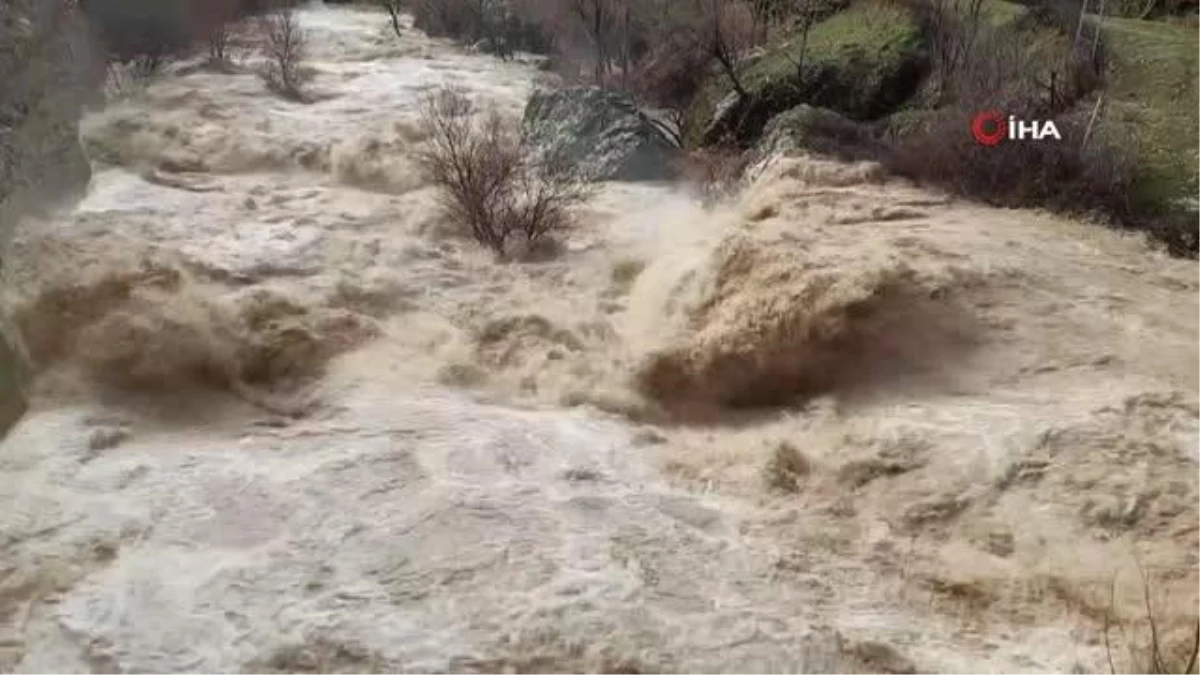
(493, 181)
(285, 45)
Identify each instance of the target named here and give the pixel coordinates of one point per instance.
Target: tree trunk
(394, 12)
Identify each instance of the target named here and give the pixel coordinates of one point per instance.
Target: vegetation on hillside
(862, 62)
(1153, 88)
(913, 73)
(909, 73)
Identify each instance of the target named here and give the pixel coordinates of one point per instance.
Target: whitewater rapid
(447, 469)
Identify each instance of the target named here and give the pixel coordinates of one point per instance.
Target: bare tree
(955, 28)
(723, 29)
(285, 46)
(393, 10)
(492, 180)
(211, 22)
(596, 18)
(807, 16)
(770, 12)
(218, 46)
(626, 40)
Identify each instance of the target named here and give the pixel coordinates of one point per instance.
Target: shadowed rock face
(43, 68)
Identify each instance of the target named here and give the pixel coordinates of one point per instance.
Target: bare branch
(492, 180)
(285, 46)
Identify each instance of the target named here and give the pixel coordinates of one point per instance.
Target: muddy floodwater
(287, 418)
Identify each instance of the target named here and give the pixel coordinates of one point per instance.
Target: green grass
(877, 31)
(872, 34)
(1001, 13)
(1153, 87)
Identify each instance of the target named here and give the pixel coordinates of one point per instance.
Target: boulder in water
(602, 132)
(812, 129)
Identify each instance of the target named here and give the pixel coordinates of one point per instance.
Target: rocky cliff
(44, 70)
(44, 67)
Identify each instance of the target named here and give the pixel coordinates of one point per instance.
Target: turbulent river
(286, 419)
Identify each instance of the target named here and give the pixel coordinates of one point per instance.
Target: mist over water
(287, 418)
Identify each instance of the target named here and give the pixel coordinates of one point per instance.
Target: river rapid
(285, 418)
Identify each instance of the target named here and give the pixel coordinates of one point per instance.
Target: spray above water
(135, 320)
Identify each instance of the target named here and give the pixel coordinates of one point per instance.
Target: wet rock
(935, 510)
(809, 128)
(602, 132)
(688, 511)
(41, 160)
(12, 397)
(46, 82)
(1000, 543)
(107, 437)
(724, 117)
(882, 658)
(648, 437)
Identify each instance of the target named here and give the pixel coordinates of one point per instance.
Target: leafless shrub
(1065, 174)
(492, 180)
(978, 66)
(722, 30)
(597, 19)
(134, 75)
(669, 77)
(686, 43)
(952, 27)
(285, 45)
(974, 61)
(393, 8)
(499, 27)
(219, 47)
(715, 171)
(461, 19)
(1156, 647)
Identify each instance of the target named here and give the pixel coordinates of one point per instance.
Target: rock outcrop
(809, 129)
(44, 66)
(602, 132)
(43, 84)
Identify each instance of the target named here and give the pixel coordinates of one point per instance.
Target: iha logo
(990, 127)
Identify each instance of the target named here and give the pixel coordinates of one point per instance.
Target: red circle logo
(988, 127)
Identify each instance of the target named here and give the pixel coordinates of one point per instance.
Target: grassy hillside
(1153, 87)
(862, 62)
(878, 32)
